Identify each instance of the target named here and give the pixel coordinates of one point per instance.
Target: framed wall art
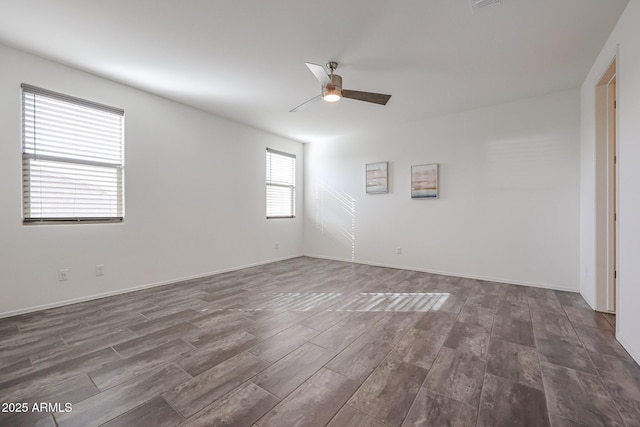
(424, 181)
(376, 176)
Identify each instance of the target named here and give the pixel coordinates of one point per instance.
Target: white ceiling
(244, 59)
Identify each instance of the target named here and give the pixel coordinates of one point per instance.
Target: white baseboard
(139, 287)
(627, 346)
(447, 273)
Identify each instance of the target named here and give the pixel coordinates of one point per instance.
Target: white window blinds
(281, 184)
(72, 158)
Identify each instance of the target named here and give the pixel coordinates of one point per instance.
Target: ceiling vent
(479, 4)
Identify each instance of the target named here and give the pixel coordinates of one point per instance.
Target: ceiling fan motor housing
(335, 87)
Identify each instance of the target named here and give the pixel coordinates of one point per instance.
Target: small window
(281, 184)
(72, 158)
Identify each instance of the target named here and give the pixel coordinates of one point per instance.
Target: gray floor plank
(287, 374)
(389, 391)
(512, 330)
(121, 370)
(195, 394)
(343, 333)
(468, 337)
(458, 375)
(437, 322)
(578, 396)
(418, 347)
(431, 409)
(515, 362)
(118, 400)
(283, 343)
(351, 417)
(241, 407)
(565, 351)
(155, 339)
(506, 404)
(321, 396)
(154, 413)
(204, 358)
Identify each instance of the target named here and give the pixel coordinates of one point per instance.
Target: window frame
(270, 183)
(27, 157)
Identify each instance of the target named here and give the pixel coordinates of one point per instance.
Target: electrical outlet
(399, 250)
(100, 270)
(63, 275)
(277, 245)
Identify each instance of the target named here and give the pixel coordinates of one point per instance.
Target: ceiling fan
(332, 88)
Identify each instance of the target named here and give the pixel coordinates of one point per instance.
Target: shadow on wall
(335, 215)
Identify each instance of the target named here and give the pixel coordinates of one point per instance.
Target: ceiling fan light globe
(332, 97)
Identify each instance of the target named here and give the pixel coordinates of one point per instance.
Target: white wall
(194, 187)
(508, 208)
(625, 39)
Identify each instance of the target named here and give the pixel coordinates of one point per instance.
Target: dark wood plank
(209, 356)
(560, 421)
(35, 383)
(279, 345)
(351, 417)
(437, 322)
(621, 378)
(512, 330)
(418, 347)
(164, 322)
(549, 325)
(241, 407)
(339, 336)
(121, 370)
(600, 341)
(222, 328)
(458, 375)
(578, 396)
(321, 396)
(389, 391)
(571, 299)
(152, 340)
(120, 399)
(477, 315)
(565, 351)
(278, 324)
(588, 317)
(431, 409)
(154, 413)
(325, 319)
(505, 404)
(195, 394)
(515, 362)
(362, 356)
(283, 377)
(468, 337)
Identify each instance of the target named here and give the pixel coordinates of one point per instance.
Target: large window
(72, 158)
(281, 184)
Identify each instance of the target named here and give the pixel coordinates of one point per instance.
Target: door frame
(607, 200)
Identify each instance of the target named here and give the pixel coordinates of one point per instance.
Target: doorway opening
(607, 190)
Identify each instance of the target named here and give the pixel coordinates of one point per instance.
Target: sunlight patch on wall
(335, 215)
(521, 163)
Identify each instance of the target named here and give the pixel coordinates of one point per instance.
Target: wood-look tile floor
(310, 342)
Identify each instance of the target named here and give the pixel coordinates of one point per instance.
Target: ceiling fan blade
(376, 98)
(305, 104)
(320, 73)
